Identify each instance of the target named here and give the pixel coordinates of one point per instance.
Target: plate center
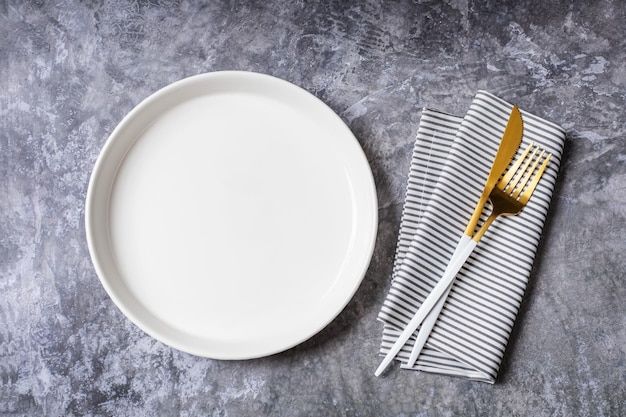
(226, 220)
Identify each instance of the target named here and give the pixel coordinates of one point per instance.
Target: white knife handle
(453, 268)
(431, 318)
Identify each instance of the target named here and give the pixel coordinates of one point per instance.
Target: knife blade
(511, 140)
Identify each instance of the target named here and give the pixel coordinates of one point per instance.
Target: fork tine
(520, 186)
(533, 184)
(516, 165)
(519, 174)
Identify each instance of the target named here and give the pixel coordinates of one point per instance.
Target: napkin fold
(451, 160)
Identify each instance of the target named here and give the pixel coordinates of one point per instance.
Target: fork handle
(442, 286)
(431, 318)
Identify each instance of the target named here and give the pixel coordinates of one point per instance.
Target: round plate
(231, 215)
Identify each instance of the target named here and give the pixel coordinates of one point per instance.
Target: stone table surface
(71, 70)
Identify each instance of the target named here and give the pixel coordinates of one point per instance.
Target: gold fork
(512, 192)
(509, 196)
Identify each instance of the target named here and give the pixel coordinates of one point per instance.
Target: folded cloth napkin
(451, 160)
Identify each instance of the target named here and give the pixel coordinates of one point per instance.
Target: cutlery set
(508, 190)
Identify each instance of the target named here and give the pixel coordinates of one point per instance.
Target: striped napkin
(451, 160)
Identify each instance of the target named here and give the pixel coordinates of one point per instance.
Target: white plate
(231, 215)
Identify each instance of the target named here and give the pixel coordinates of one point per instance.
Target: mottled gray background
(71, 70)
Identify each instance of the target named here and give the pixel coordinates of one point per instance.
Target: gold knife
(510, 142)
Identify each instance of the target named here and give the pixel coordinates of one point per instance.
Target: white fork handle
(425, 329)
(433, 315)
(464, 249)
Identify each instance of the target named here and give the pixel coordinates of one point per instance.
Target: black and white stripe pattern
(451, 159)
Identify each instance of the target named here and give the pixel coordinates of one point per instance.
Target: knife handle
(431, 318)
(429, 303)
